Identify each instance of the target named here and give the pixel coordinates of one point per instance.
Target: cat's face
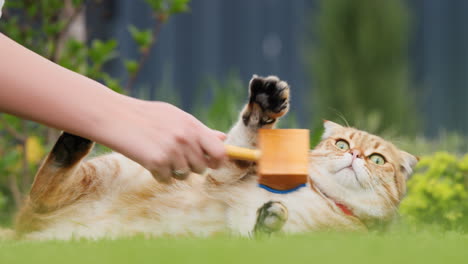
(363, 171)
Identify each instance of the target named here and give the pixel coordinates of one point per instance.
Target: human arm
(157, 135)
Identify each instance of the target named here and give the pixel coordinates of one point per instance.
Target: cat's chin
(364, 203)
(327, 183)
(349, 178)
(342, 175)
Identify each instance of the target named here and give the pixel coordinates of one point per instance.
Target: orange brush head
(283, 163)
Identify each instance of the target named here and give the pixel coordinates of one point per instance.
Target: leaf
(14, 4)
(168, 7)
(143, 38)
(156, 5)
(179, 6)
(77, 2)
(32, 10)
(112, 83)
(74, 56)
(131, 66)
(101, 52)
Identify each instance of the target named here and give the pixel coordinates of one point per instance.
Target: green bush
(438, 192)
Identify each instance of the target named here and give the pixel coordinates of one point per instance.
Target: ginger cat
(355, 179)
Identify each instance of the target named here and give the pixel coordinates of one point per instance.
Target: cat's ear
(408, 163)
(330, 128)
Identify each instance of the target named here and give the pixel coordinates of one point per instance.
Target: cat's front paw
(268, 100)
(271, 217)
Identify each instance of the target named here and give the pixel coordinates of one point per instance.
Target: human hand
(165, 140)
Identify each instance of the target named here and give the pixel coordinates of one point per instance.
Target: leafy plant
(438, 192)
(146, 38)
(44, 27)
(220, 109)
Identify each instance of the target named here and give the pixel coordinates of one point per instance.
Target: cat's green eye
(377, 159)
(342, 144)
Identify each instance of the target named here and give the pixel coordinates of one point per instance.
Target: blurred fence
(439, 56)
(269, 37)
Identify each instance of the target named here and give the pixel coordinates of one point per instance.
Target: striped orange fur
(111, 196)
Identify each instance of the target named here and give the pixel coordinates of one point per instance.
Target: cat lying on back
(355, 179)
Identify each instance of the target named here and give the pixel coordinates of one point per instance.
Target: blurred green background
(396, 68)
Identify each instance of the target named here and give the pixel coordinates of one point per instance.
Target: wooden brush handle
(240, 153)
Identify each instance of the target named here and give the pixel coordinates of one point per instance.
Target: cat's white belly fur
(307, 210)
(184, 210)
(231, 209)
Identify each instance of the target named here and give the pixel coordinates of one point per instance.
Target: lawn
(401, 247)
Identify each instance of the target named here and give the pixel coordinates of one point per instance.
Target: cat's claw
(271, 217)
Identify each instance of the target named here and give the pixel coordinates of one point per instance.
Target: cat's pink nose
(356, 153)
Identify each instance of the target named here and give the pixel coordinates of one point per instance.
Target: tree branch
(15, 133)
(13, 186)
(160, 20)
(55, 52)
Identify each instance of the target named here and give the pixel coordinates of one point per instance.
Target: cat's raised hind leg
(60, 164)
(59, 181)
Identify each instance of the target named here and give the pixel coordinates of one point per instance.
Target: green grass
(311, 248)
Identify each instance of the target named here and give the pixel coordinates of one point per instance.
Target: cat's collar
(343, 207)
(280, 191)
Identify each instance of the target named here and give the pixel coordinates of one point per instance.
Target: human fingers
(214, 149)
(158, 163)
(195, 157)
(180, 166)
(162, 174)
(217, 133)
(220, 135)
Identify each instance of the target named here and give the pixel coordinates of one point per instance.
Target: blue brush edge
(281, 191)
